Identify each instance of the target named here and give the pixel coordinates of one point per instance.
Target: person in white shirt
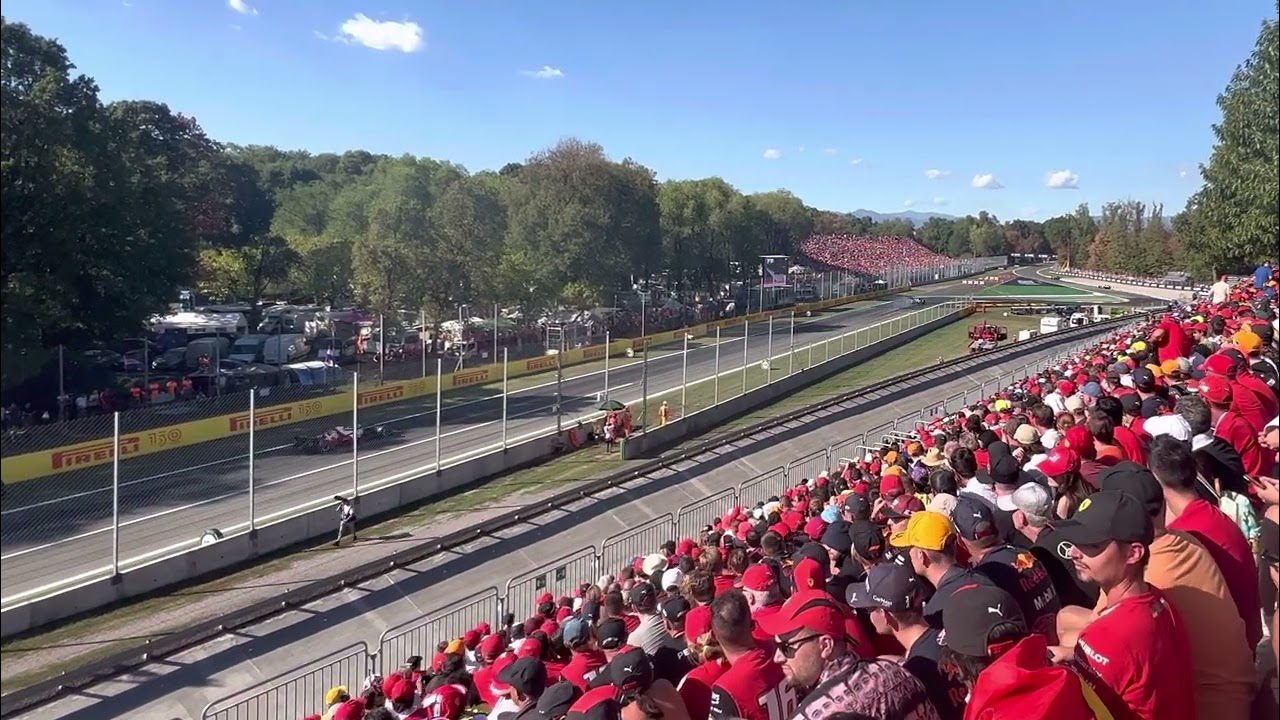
(1219, 291)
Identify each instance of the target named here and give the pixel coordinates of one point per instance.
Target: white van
(248, 349)
(286, 348)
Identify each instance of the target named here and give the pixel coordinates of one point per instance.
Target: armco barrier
(78, 456)
(199, 632)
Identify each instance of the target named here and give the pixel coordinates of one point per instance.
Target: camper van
(1052, 323)
(248, 349)
(286, 348)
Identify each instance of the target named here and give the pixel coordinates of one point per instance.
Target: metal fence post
(746, 338)
(684, 374)
(505, 353)
(355, 435)
(439, 407)
(791, 346)
(253, 426)
(768, 355)
(115, 494)
(715, 392)
(606, 367)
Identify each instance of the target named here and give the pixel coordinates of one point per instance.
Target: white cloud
(830, 151)
(1028, 212)
(772, 154)
(934, 174)
(986, 181)
(242, 7)
(940, 201)
(856, 161)
(908, 203)
(546, 72)
(382, 34)
(1062, 180)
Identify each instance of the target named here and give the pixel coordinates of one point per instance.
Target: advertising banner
(774, 271)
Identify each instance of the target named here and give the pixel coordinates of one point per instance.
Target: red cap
(1219, 364)
(350, 710)
(389, 683)
(531, 647)
(483, 628)
(1078, 439)
(403, 691)
(891, 486)
(471, 638)
(743, 528)
(1066, 387)
(808, 575)
(698, 622)
(815, 527)
(812, 610)
(491, 647)
(545, 597)
(759, 577)
(1060, 461)
(1216, 389)
(550, 627)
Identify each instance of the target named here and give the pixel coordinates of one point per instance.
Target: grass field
(99, 636)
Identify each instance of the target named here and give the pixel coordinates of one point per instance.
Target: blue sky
(857, 100)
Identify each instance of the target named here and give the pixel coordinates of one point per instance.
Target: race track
(58, 529)
(182, 684)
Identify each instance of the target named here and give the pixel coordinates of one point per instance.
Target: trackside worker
(346, 519)
(664, 413)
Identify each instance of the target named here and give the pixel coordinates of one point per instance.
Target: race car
(342, 436)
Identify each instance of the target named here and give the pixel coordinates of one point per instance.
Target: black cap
(866, 539)
(857, 505)
(631, 669)
(1105, 516)
(527, 675)
(1153, 406)
(1143, 378)
(1135, 481)
(611, 633)
(675, 609)
(1131, 403)
(836, 537)
(598, 703)
(974, 519)
(642, 595)
(888, 586)
(556, 701)
(814, 551)
(1002, 467)
(972, 612)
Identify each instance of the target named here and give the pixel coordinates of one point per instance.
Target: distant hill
(918, 218)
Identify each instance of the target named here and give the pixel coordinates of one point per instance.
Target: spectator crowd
(870, 254)
(1096, 542)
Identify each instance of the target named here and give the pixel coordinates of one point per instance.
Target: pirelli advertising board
(100, 452)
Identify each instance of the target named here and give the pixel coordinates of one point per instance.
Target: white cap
(653, 564)
(671, 578)
(1033, 499)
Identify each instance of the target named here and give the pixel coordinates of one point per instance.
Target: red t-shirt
(1236, 431)
(1231, 551)
(1139, 649)
(582, 667)
(723, 582)
(630, 622)
(1128, 440)
(1267, 396)
(1175, 343)
(695, 688)
(1246, 403)
(483, 678)
(753, 688)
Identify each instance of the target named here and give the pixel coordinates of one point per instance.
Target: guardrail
(107, 510)
(562, 576)
(616, 547)
(1135, 281)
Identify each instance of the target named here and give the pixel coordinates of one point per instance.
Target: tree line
(111, 208)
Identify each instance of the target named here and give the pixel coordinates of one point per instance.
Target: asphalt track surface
(1081, 295)
(181, 685)
(58, 530)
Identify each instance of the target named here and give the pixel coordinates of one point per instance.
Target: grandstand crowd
(1096, 542)
(870, 254)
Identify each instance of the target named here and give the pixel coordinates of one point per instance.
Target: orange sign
(92, 453)
(640, 343)
(270, 416)
(595, 352)
(545, 362)
(470, 378)
(383, 394)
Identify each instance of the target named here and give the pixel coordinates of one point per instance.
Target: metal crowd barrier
(300, 691)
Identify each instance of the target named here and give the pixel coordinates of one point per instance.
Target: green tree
(1239, 224)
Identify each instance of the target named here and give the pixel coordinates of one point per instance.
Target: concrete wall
(655, 439)
(1151, 292)
(243, 549)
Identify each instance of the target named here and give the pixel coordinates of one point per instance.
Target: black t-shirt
(1019, 573)
(1072, 590)
(1004, 525)
(945, 691)
(673, 660)
(954, 579)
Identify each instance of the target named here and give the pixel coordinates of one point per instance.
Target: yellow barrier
(99, 452)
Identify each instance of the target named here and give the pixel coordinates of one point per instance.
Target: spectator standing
(930, 543)
(586, 659)
(674, 659)
(754, 687)
(650, 633)
(1138, 645)
(642, 695)
(893, 596)
(1033, 519)
(521, 683)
